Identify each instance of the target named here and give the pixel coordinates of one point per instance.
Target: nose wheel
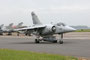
(37, 41)
(61, 42)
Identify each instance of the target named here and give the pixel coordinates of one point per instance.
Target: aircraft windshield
(61, 24)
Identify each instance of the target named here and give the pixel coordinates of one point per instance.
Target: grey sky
(71, 12)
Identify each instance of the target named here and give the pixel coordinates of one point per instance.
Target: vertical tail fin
(1, 25)
(35, 19)
(10, 25)
(20, 24)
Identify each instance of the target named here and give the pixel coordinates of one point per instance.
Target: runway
(75, 44)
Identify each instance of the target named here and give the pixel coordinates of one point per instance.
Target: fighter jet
(1, 32)
(1, 26)
(47, 31)
(18, 26)
(7, 29)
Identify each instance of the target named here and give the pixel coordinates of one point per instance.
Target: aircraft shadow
(33, 43)
(65, 42)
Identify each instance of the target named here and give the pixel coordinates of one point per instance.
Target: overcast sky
(71, 12)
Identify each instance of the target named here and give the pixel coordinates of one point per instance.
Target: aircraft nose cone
(70, 29)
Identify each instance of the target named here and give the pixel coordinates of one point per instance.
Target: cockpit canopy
(60, 24)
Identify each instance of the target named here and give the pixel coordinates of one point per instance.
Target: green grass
(6, 54)
(83, 30)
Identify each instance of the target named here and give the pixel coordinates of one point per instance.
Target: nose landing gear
(61, 40)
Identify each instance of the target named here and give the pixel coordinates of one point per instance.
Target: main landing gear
(46, 38)
(9, 33)
(37, 41)
(1, 33)
(50, 39)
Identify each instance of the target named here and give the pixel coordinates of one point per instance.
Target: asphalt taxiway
(75, 44)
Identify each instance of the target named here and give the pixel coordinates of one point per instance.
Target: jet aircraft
(7, 29)
(1, 32)
(47, 31)
(18, 26)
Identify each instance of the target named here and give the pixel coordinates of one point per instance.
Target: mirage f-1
(6, 29)
(47, 31)
(1, 31)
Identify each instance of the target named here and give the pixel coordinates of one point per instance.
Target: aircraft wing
(32, 28)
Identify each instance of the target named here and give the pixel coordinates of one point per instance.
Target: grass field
(83, 30)
(6, 54)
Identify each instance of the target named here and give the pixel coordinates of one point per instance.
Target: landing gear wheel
(61, 42)
(37, 41)
(9, 34)
(55, 41)
(1, 34)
